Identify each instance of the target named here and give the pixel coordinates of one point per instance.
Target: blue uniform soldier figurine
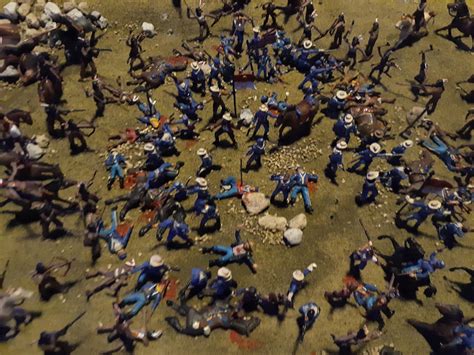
(237, 252)
(206, 163)
(365, 158)
(398, 151)
(298, 282)
(448, 232)
(255, 154)
(209, 213)
(433, 207)
(195, 285)
(309, 313)
(261, 120)
(335, 161)
(176, 229)
(284, 185)
(300, 186)
(151, 271)
(222, 286)
(198, 79)
(369, 189)
(114, 164)
(344, 128)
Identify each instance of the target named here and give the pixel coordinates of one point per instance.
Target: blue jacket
(117, 160)
(303, 179)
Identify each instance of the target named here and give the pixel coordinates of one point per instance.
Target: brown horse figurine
(18, 116)
(461, 22)
(290, 118)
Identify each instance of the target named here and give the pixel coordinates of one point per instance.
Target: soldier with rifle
(309, 313)
(50, 344)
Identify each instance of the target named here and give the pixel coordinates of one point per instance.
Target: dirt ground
(333, 231)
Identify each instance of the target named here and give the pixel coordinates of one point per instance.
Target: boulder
(42, 141)
(32, 21)
(84, 7)
(51, 9)
(35, 152)
(148, 29)
(69, 5)
(293, 236)
(76, 15)
(246, 116)
(273, 223)
(299, 221)
(10, 73)
(24, 10)
(255, 202)
(10, 10)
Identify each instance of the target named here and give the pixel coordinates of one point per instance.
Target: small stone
(68, 6)
(75, 15)
(299, 222)
(24, 10)
(32, 21)
(10, 10)
(84, 7)
(51, 9)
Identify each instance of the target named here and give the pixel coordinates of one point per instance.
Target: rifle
(300, 338)
(70, 324)
(2, 278)
(103, 49)
(365, 230)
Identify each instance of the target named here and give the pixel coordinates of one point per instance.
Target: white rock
(273, 223)
(51, 9)
(300, 221)
(84, 7)
(34, 151)
(24, 9)
(255, 202)
(75, 15)
(148, 28)
(69, 5)
(9, 73)
(11, 10)
(293, 236)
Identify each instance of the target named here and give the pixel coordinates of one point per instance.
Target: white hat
(341, 95)
(182, 84)
(307, 44)
(341, 145)
(201, 151)
(298, 275)
(434, 204)
(149, 147)
(408, 143)
(227, 116)
(156, 260)
(263, 108)
(194, 66)
(348, 118)
(372, 175)
(225, 273)
(214, 88)
(375, 148)
(135, 98)
(166, 137)
(201, 182)
(256, 29)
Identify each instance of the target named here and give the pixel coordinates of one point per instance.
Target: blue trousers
(226, 252)
(266, 127)
(227, 194)
(418, 217)
(138, 300)
(303, 190)
(116, 170)
(369, 193)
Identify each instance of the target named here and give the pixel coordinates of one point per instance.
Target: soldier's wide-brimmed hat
(201, 151)
(166, 137)
(201, 182)
(149, 147)
(225, 273)
(434, 204)
(156, 260)
(372, 175)
(227, 116)
(341, 145)
(263, 108)
(214, 88)
(348, 119)
(194, 66)
(307, 44)
(408, 143)
(341, 95)
(256, 29)
(375, 148)
(298, 275)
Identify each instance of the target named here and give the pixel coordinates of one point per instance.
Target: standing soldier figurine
(373, 36)
(369, 189)
(198, 79)
(270, 9)
(114, 163)
(207, 165)
(199, 15)
(218, 104)
(88, 53)
(99, 98)
(309, 312)
(337, 29)
(225, 126)
(136, 50)
(335, 161)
